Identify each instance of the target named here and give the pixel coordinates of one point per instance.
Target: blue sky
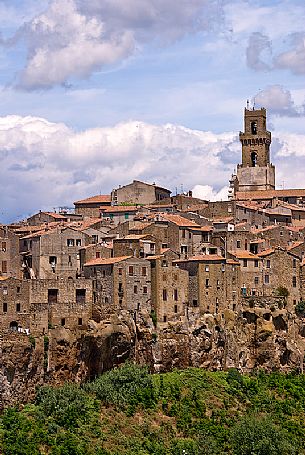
(95, 93)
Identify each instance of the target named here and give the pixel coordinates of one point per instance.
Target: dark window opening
(164, 294)
(253, 159)
(254, 127)
(52, 295)
(70, 242)
(176, 308)
(18, 307)
(130, 270)
(164, 318)
(80, 295)
(195, 303)
(80, 321)
(4, 307)
(63, 321)
(145, 290)
(135, 289)
(176, 294)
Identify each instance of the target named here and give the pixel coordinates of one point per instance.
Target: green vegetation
(282, 292)
(189, 412)
(300, 308)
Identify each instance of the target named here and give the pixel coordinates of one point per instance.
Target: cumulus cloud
(294, 59)
(76, 37)
(258, 44)
(207, 193)
(278, 101)
(46, 164)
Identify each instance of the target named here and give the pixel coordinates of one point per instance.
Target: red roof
(179, 220)
(105, 261)
(99, 199)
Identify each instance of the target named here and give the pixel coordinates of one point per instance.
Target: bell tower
(256, 172)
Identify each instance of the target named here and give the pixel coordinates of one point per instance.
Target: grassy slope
(190, 412)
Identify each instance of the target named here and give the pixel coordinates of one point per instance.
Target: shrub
(128, 385)
(300, 308)
(281, 291)
(259, 436)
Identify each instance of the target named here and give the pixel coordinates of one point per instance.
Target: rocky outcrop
(260, 336)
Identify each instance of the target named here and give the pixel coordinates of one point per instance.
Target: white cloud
(44, 164)
(62, 42)
(208, 193)
(278, 100)
(258, 43)
(294, 59)
(75, 38)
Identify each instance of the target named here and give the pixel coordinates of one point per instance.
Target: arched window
(253, 159)
(14, 326)
(254, 127)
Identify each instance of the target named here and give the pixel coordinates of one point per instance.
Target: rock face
(261, 336)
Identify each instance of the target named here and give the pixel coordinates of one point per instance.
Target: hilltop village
(168, 280)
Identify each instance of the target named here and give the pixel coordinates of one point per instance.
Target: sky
(96, 93)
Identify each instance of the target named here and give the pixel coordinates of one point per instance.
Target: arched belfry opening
(253, 127)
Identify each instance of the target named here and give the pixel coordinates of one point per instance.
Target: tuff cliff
(263, 335)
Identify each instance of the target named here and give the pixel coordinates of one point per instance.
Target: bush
(255, 436)
(300, 308)
(128, 385)
(281, 291)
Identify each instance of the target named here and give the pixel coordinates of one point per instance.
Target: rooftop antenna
(248, 104)
(253, 103)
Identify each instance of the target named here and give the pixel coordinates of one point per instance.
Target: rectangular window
(294, 263)
(144, 289)
(120, 271)
(164, 318)
(135, 289)
(256, 280)
(176, 309)
(4, 266)
(176, 295)
(120, 287)
(18, 289)
(78, 242)
(52, 295)
(164, 294)
(256, 263)
(266, 279)
(80, 321)
(144, 271)
(238, 244)
(18, 308)
(294, 281)
(195, 303)
(70, 242)
(130, 270)
(268, 264)
(207, 281)
(4, 307)
(3, 246)
(5, 291)
(126, 216)
(63, 321)
(164, 263)
(80, 295)
(245, 262)
(97, 255)
(183, 233)
(206, 268)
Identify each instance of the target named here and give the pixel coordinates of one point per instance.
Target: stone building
(139, 193)
(255, 173)
(34, 306)
(89, 208)
(169, 288)
(10, 263)
(119, 213)
(119, 284)
(136, 245)
(52, 253)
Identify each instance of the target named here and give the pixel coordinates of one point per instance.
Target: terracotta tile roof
(244, 254)
(134, 237)
(222, 219)
(265, 229)
(179, 220)
(119, 209)
(203, 258)
(139, 225)
(202, 228)
(158, 256)
(266, 252)
(3, 278)
(295, 245)
(294, 228)
(56, 216)
(105, 261)
(99, 199)
(232, 262)
(268, 194)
